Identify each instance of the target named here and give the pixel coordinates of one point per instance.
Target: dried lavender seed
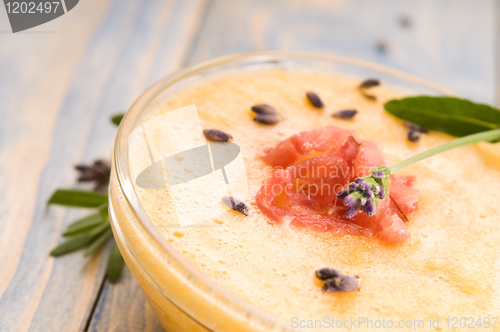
(369, 83)
(264, 109)
(102, 163)
(98, 172)
(405, 21)
(368, 96)
(341, 284)
(336, 282)
(83, 168)
(86, 176)
(381, 46)
(345, 114)
(315, 99)
(414, 135)
(267, 118)
(327, 273)
(414, 126)
(236, 204)
(216, 135)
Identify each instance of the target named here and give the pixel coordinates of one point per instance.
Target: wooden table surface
(60, 82)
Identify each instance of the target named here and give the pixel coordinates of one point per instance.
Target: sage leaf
(99, 229)
(103, 211)
(99, 241)
(450, 115)
(117, 118)
(78, 198)
(115, 264)
(84, 224)
(73, 244)
(81, 240)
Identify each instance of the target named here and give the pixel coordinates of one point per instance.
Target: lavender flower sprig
(363, 194)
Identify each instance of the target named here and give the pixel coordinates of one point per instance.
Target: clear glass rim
(133, 115)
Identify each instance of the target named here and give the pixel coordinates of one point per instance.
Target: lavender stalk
(362, 195)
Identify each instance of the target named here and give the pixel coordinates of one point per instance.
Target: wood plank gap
(96, 301)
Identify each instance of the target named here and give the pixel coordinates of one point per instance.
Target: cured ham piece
(314, 166)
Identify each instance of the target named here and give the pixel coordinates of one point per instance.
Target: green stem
(489, 135)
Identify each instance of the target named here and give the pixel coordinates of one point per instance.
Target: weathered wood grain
(30, 109)
(55, 111)
(122, 307)
(449, 42)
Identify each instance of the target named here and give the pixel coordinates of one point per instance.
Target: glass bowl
(182, 297)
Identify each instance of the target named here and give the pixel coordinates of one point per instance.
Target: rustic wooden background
(60, 82)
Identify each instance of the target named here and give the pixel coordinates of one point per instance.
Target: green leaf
(84, 225)
(103, 211)
(117, 118)
(81, 240)
(99, 241)
(99, 229)
(454, 116)
(78, 198)
(73, 244)
(115, 264)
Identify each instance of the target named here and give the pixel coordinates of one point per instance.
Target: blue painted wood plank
(36, 272)
(450, 42)
(123, 307)
(30, 107)
(117, 62)
(28, 113)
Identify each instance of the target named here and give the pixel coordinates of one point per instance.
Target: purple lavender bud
(343, 193)
(352, 211)
(353, 187)
(236, 204)
(362, 195)
(366, 186)
(381, 193)
(369, 208)
(352, 201)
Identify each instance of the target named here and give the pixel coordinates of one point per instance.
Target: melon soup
(231, 272)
